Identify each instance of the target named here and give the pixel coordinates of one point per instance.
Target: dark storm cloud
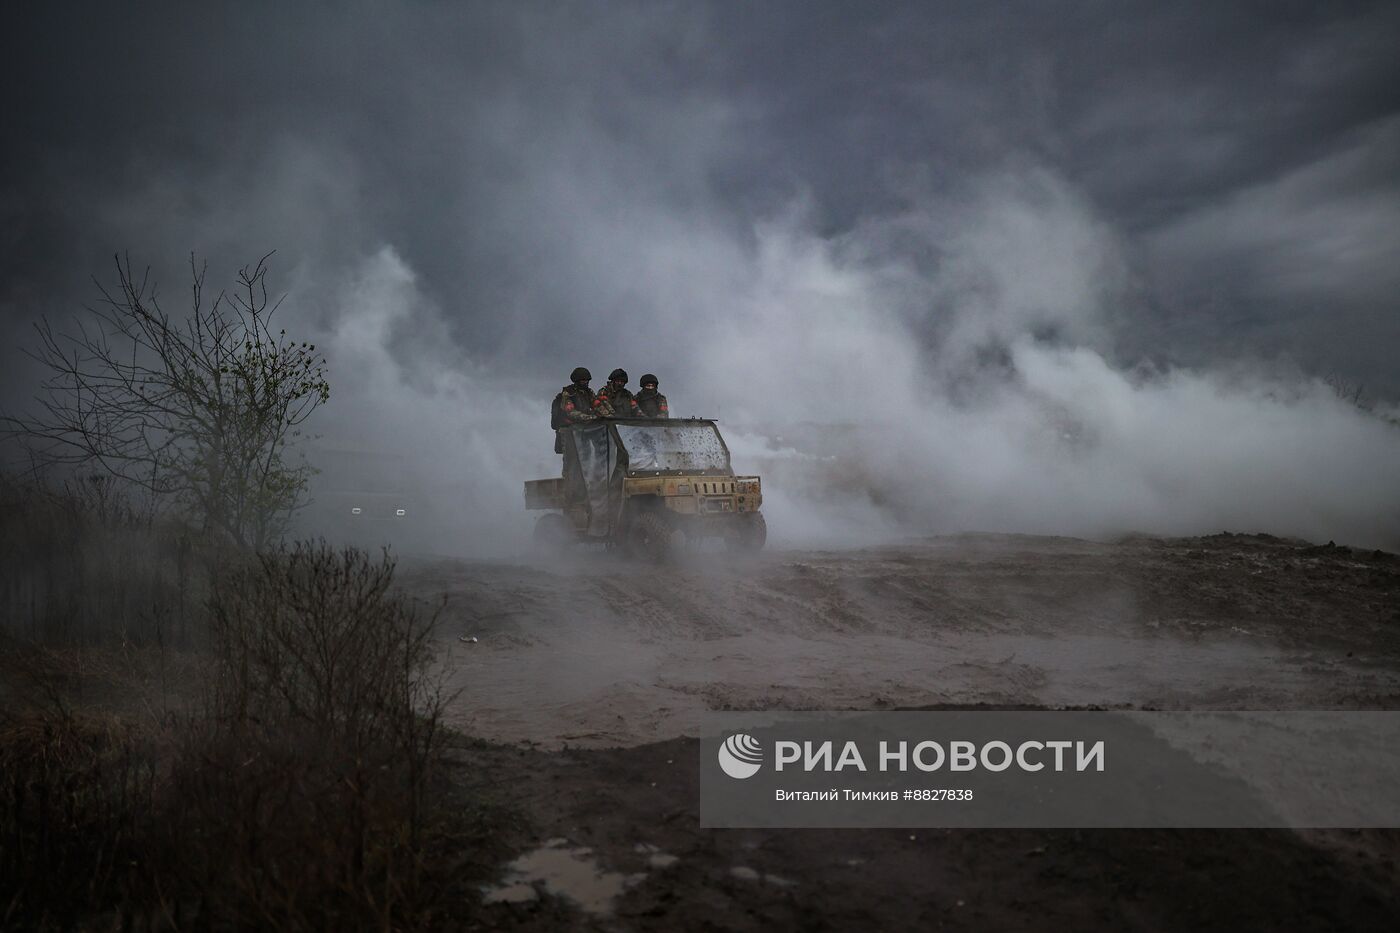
(1001, 209)
(446, 125)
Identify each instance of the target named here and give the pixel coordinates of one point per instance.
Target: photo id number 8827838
(938, 793)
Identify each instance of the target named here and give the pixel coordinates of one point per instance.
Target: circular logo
(740, 756)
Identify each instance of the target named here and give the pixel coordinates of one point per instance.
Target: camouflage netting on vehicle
(689, 447)
(597, 457)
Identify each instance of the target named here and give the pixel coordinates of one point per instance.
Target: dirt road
(598, 653)
(618, 664)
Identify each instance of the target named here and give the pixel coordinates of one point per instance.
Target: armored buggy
(647, 485)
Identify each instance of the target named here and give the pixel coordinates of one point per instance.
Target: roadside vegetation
(260, 749)
(202, 725)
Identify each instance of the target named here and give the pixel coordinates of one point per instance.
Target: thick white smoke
(946, 369)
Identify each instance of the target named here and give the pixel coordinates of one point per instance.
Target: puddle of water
(511, 894)
(570, 873)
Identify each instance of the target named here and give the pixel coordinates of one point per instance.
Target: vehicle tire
(650, 537)
(552, 533)
(749, 534)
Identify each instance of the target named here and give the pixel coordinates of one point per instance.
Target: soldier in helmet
(613, 400)
(574, 403)
(651, 403)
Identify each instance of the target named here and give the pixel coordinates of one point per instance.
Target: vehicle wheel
(552, 533)
(749, 534)
(650, 537)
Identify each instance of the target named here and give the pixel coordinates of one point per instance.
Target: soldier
(651, 403)
(613, 400)
(574, 403)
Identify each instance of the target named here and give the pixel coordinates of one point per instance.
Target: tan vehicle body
(645, 484)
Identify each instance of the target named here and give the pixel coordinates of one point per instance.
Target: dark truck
(644, 484)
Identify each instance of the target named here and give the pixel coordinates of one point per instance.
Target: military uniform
(652, 404)
(615, 402)
(578, 402)
(575, 404)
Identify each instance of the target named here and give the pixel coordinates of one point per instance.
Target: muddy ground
(583, 690)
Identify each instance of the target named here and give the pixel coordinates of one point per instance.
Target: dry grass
(81, 565)
(288, 774)
(78, 804)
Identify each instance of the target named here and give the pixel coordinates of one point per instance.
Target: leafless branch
(199, 410)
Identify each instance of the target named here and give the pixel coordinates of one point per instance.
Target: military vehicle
(647, 485)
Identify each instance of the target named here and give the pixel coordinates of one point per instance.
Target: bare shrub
(310, 773)
(304, 789)
(196, 411)
(314, 635)
(1347, 390)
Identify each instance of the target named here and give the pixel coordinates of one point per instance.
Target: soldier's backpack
(556, 413)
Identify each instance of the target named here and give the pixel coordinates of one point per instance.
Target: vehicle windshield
(689, 447)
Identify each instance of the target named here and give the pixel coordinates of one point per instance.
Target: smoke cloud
(924, 291)
(883, 397)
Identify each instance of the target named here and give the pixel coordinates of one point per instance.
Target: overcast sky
(1193, 185)
(1247, 153)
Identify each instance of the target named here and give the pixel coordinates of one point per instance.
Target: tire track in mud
(596, 651)
(662, 608)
